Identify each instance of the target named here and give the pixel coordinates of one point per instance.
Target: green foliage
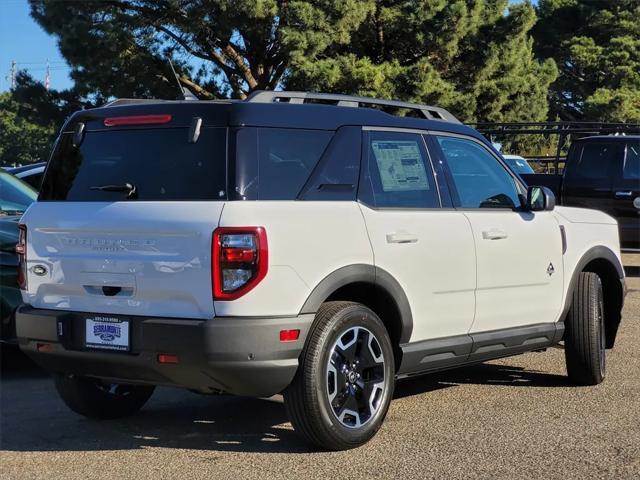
(118, 48)
(477, 58)
(30, 117)
(596, 44)
(21, 140)
(474, 57)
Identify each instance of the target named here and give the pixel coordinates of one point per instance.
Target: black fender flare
(363, 273)
(594, 253)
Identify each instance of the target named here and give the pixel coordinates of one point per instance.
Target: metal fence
(563, 130)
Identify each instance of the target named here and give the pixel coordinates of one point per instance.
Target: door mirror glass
(540, 199)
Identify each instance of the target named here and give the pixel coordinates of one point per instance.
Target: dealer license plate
(107, 333)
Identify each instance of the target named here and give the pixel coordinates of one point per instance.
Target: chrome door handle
(494, 234)
(401, 238)
(624, 194)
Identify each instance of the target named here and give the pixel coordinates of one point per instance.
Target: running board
(444, 353)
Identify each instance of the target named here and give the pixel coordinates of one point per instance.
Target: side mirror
(540, 199)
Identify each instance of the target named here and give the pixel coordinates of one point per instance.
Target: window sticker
(400, 164)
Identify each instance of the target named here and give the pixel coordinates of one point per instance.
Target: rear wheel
(95, 398)
(585, 338)
(343, 387)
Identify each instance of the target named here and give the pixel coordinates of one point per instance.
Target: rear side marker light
(44, 347)
(239, 260)
(137, 120)
(167, 358)
(21, 251)
(289, 335)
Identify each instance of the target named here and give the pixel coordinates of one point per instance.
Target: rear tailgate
(134, 258)
(124, 221)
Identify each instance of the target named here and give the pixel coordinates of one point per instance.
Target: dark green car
(15, 198)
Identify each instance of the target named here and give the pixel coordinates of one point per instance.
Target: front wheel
(94, 398)
(585, 338)
(344, 384)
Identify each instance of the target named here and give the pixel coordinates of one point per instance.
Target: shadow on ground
(34, 419)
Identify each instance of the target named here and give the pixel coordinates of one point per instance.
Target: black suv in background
(603, 173)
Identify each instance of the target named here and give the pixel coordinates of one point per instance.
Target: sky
(23, 41)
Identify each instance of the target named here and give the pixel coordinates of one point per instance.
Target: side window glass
(480, 180)
(594, 161)
(398, 172)
(275, 163)
(631, 168)
(336, 175)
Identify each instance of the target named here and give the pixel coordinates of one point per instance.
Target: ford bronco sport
(311, 244)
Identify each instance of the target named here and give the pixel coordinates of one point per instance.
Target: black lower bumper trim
(237, 355)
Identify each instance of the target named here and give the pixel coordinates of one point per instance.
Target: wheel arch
(376, 289)
(604, 262)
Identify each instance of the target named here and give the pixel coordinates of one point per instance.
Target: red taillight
(167, 358)
(44, 347)
(21, 250)
(289, 335)
(136, 120)
(239, 260)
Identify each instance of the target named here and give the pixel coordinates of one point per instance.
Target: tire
(94, 398)
(342, 390)
(585, 337)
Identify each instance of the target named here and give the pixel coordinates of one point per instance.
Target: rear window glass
(275, 163)
(160, 163)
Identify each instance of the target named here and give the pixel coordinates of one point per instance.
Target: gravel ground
(513, 418)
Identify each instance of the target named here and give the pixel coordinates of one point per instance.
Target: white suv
(315, 245)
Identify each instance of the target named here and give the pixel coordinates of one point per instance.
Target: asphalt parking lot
(514, 418)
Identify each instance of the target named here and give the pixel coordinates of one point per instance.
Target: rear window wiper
(128, 188)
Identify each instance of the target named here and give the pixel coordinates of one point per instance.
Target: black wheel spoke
(367, 359)
(349, 352)
(355, 376)
(350, 403)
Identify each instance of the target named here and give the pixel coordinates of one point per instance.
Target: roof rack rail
(267, 96)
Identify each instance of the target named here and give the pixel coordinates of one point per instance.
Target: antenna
(186, 93)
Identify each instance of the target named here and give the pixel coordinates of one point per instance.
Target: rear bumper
(242, 356)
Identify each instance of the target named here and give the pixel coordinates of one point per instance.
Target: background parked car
(31, 174)
(518, 164)
(15, 198)
(602, 172)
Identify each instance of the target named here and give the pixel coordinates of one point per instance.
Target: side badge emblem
(550, 269)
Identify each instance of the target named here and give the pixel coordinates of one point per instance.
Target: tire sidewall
(599, 328)
(354, 316)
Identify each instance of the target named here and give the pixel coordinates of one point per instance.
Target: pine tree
(474, 57)
(596, 44)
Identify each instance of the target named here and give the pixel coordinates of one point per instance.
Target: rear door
(588, 177)
(626, 194)
(124, 222)
(428, 249)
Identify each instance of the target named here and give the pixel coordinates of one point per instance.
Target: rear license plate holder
(107, 332)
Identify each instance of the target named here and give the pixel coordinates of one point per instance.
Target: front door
(519, 253)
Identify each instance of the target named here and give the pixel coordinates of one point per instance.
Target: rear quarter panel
(307, 241)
